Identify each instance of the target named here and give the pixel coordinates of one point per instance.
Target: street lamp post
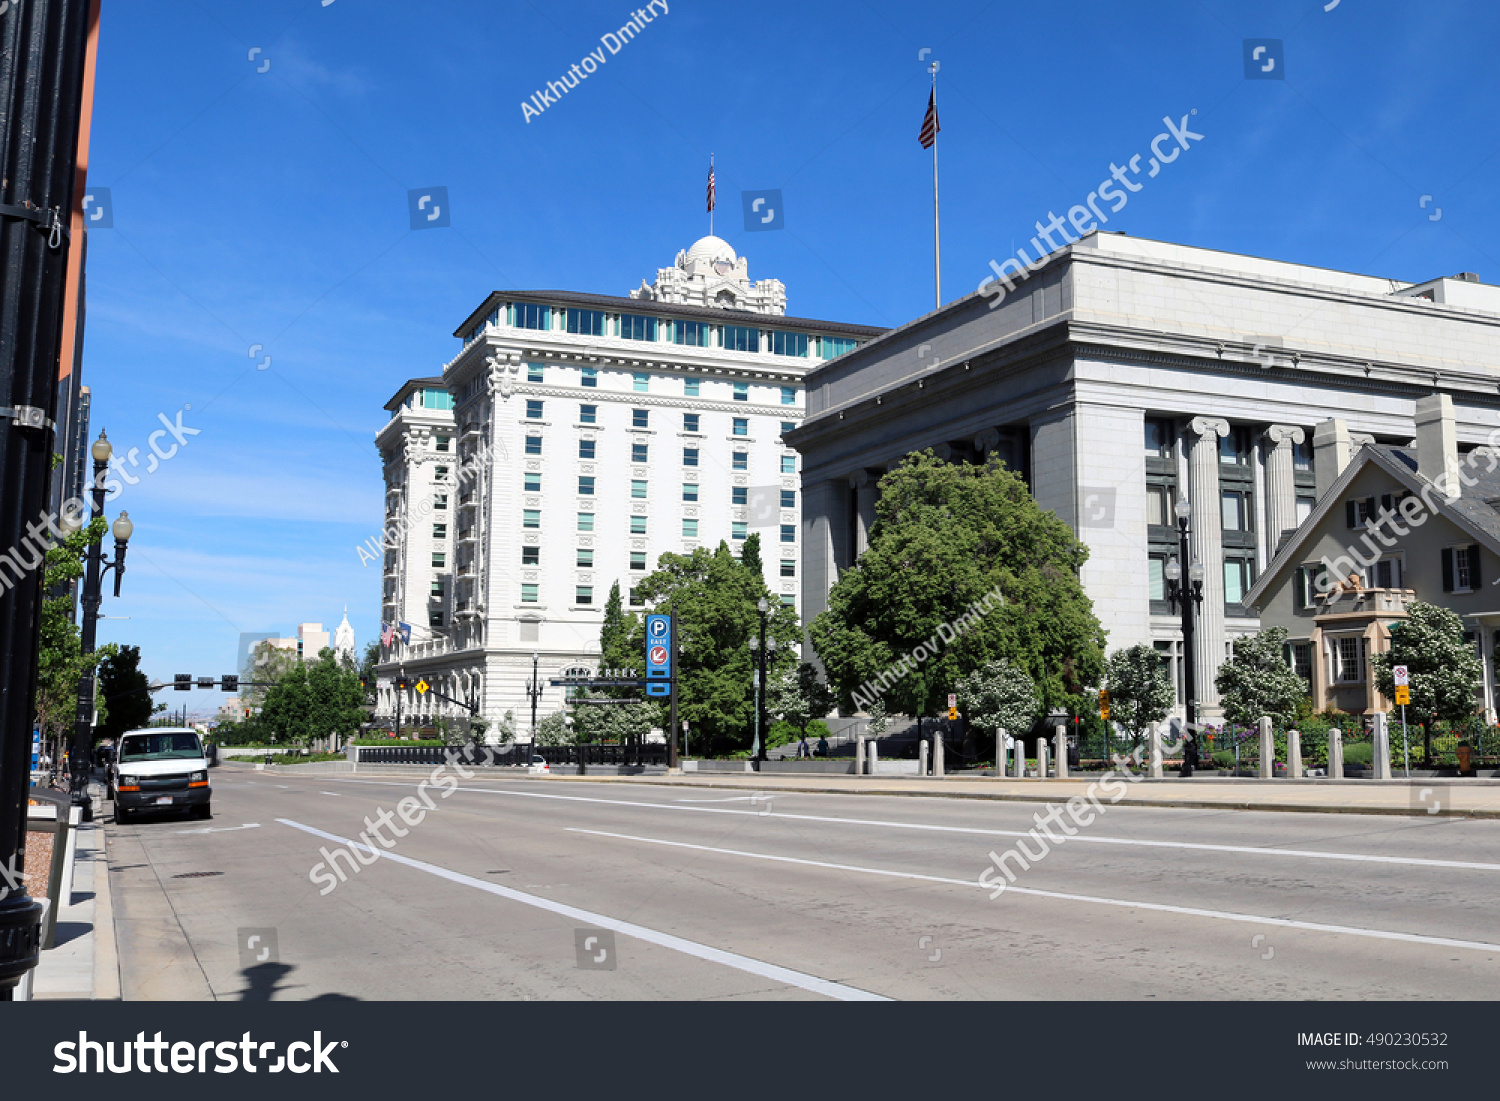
(1186, 597)
(763, 606)
(96, 566)
(534, 691)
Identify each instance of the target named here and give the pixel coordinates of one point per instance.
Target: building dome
(711, 249)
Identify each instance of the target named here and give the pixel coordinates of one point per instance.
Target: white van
(163, 768)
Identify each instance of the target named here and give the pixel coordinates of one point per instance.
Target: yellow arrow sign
(422, 686)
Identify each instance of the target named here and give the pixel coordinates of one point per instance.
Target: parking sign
(658, 646)
(1402, 677)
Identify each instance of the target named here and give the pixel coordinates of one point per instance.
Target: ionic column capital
(1283, 435)
(1208, 426)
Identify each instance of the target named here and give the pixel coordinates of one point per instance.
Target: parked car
(539, 764)
(163, 768)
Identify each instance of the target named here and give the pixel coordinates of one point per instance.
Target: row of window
(1239, 576)
(531, 518)
(739, 460)
(584, 595)
(1235, 449)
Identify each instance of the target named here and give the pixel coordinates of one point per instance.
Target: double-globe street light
(763, 606)
(95, 567)
(1186, 597)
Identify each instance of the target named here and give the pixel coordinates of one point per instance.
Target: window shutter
(1351, 513)
(1369, 507)
(1387, 503)
(1447, 569)
(1474, 581)
(1299, 589)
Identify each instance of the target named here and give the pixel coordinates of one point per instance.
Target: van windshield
(159, 747)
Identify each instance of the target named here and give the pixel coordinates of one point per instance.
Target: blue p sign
(428, 207)
(658, 646)
(763, 210)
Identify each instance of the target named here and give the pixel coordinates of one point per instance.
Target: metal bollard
(1060, 746)
(1267, 749)
(1335, 754)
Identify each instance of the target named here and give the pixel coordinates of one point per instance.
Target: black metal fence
(511, 755)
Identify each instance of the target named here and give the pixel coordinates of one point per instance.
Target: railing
(652, 753)
(1340, 601)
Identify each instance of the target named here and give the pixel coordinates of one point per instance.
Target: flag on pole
(387, 633)
(713, 190)
(930, 126)
(405, 630)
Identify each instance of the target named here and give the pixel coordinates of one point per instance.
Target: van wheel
(202, 811)
(121, 814)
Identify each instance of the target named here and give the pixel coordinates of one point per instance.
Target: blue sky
(271, 208)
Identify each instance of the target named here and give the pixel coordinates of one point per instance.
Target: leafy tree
(713, 596)
(750, 554)
(1257, 680)
(879, 720)
(267, 665)
(61, 662)
(1141, 692)
(1445, 672)
(798, 697)
(615, 633)
(314, 701)
(366, 669)
(622, 724)
(552, 729)
(124, 686)
(999, 696)
(964, 568)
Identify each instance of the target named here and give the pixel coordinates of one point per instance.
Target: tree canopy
(1257, 680)
(999, 696)
(1141, 692)
(124, 686)
(61, 662)
(1445, 673)
(313, 700)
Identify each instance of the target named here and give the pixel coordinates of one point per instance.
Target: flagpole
(937, 262)
(716, 195)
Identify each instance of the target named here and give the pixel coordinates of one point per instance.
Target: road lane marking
(1307, 854)
(222, 829)
(826, 987)
(1191, 911)
(335, 794)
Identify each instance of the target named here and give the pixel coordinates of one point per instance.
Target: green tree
(1258, 680)
(266, 665)
(999, 696)
(366, 670)
(616, 650)
(798, 696)
(124, 686)
(1445, 672)
(552, 729)
(750, 554)
(963, 568)
(1140, 690)
(313, 701)
(714, 596)
(61, 662)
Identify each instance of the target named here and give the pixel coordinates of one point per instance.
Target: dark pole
(534, 690)
(43, 50)
(399, 682)
(1185, 590)
(96, 565)
(672, 704)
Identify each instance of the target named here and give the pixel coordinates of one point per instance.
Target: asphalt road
(709, 894)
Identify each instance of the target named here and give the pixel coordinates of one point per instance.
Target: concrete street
(731, 893)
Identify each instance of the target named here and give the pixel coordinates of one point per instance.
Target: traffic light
(230, 682)
(364, 682)
(205, 682)
(403, 684)
(182, 682)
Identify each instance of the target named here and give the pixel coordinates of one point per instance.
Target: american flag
(930, 126)
(713, 190)
(387, 633)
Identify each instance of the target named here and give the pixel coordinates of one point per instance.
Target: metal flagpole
(937, 261)
(713, 194)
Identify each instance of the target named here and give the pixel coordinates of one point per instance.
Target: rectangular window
(689, 491)
(531, 518)
(585, 485)
(440, 531)
(789, 464)
(1235, 510)
(585, 559)
(533, 445)
(690, 529)
(1302, 659)
(585, 521)
(442, 441)
(1234, 448)
(788, 395)
(1463, 569)
(689, 456)
(1159, 506)
(437, 399)
(640, 418)
(636, 600)
(742, 426)
(638, 488)
(531, 556)
(534, 372)
(528, 315)
(591, 376)
(1302, 456)
(1350, 657)
(739, 495)
(1158, 439)
(1305, 506)
(788, 567)
(638, 453)
(439, 500)
(833, 346)
(740, 460)
(528, 593)
(434, 619)
(588, 414)
(636, 327)
(741, 338)
(787, 426)
(637, 525)
(1386, 574)
(533, 409)
(1237, 580)
(585, 322)
(788, 533)
(440, 473)
(788, 600)
(788, 498)
(692, 333)
(638, 560)
(533, 483)
(585, 449)
(439, 560)
(788, 344)
(1156, 582)
(741, 391)
(640, 381)
(738, 530)
(690, 422)
(437, 587)
(690, 387)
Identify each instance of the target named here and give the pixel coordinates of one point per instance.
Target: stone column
(1267, 749)
(1153, 742)
(1293, 755)
(873, 757)
(1380, 763)
(1335, 754)
(1041, 759)
(865, 490)
(938, 748)
(859, 755)
(1018, 763)
(1206, 545)
(1281, 492)
(922, 758)
(1060, 742)
(1000, 753)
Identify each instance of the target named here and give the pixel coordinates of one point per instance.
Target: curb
(106, 946)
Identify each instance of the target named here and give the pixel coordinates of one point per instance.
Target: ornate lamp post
(762, 606)
(534, 691)
(1186, 598)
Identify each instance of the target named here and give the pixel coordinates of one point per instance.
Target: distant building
(343, 639)
(233, 710)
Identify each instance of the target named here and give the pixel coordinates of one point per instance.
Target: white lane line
(827, 987)
(222, 829)
(1308, 854)
(1191, 911)
(335, 794)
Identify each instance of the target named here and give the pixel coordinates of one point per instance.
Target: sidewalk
(84, 964)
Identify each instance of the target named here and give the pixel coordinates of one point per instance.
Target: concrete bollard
(922, 758)
(1060, 747)
(1000, 754)
(872, 758)
(1380, 759)
(859, 755)
(1267, 749)
(1335, 754)
(1018, 763)
(1042, 762)
(1153, 741)
(1293, 755)
(938, 748)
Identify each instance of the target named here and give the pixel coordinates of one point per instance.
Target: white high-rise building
(573, 440)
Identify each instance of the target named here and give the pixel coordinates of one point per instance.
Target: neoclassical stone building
(1123, 375)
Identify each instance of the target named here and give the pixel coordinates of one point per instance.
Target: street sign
(1402, 676)
(658, 647)
(422, 687)
(1104, 703)
(952, 701)
(952, 714)
(1403, 695)
(659, 689)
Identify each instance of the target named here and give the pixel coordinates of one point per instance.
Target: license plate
(164, 800)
